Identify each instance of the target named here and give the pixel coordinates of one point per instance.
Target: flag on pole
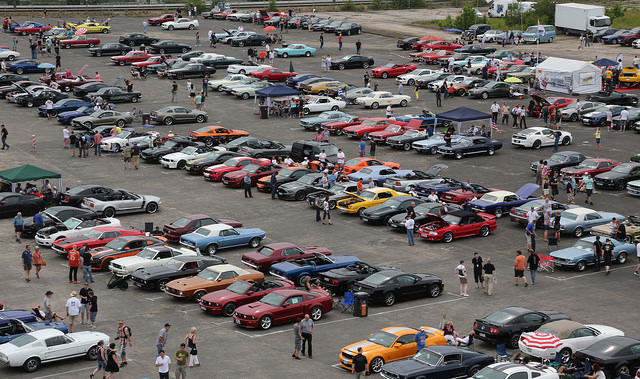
(540, 28)
(494, 126)
(340, 92)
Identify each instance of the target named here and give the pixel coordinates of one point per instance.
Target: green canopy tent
(28, 173)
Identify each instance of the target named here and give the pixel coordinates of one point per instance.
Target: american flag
(340, 93)
(494, 126)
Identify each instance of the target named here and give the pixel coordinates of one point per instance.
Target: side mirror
(285, 305)
(126, 248)
(397, 345)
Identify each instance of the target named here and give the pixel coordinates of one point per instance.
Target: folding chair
(347, 302)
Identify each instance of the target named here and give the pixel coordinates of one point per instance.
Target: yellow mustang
(322, 87)
(92, 27)
(629, 75)
(366, 199)
(387, 345)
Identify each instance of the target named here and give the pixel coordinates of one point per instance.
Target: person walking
(358, 47)
(533, 261)
(490, 277)
(321, 40)
(38, 262)
(410, 224)
(359, 364)
(4, 133)
(144, 26)
(505, 114)
(163, 363)
(73, 310)
(192, 340)
(74, 262)
(101, 359)
(325, 208)
(461, 271)
(518, 267)
(607, 255)
(339, 42)
(306, 330)
(372, 148)
(174, 92)
(113, 366)
(530, 233)
(318, 206)
(93, 308)
(297, 340)
(597, 135)
(18, 224)
(48, 310)
(135, 155)
(362, 148)
(637, 271)
(182, 360)
(587, 183)
(123, 335)
(126, 157)
(477, 270)
(197, 38)
(162, 337)
(84, 302)
(27, 262)
(87, 272)
(624, 117)
(246, 184)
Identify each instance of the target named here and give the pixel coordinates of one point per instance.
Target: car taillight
(91, 205)
(475, 324)
(522, 338)
(513, 211)
(493, 330)
(66, 199)
(334, 281)
(398, 184)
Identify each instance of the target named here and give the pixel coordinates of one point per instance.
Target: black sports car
(55, 216)
(424, 82)
(339, 280)
(475, 50)
(424, 214)
(348, 28)
(240, 142)
(286, 175)
(192, 54)
(471, 145)
(274, 21)
(389, 285)
(405, 44)
(561, 160)
(168, 46)
(618, 177)
(251, 40)
(176, 268)
(615, 355)
(115, 95)
(39, 98)
(438, 362)
(74, 196)
(176, 143)
(11, 203)
(335, 193)
(491, 89)
(405, 140)
(137, 39)
(8, 78)
(198, 165)
(352, 61)
(382, 213)
(292, 23)
(506, 325)
(299, 189)
(83, 90)
(617, 98)
(192, 70)
(221, 61)
(266, 149)
(110, 49)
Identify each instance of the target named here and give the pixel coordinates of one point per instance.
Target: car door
(580, 338)
(466, 227)
(59, 347)
(591, 220)
(407, 285)
(182, 114)
(404, 347)
(10, 205)
(453, 365)
(530, 321)
(291, 308)
(231, 237)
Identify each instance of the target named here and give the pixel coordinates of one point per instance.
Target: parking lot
(227, 351)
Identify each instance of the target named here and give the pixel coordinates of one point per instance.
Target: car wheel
(67, 46)
(306, 111)
(622, 370)
(132, 43)
(491, 151)
(11, 58)
(389, 299)
(385, 75)
(179, 76)
(181, 164)
(254, 242)
(229, 309)
(339, 132)
(478, 71)
(109, 212)
(461, 92)
(566, 141)
(550, 39)
(168, 121)
(316, 313)
(614, 41)
(105, 31)
(88, 125)
(284, 55)
(245, 96)
(211, 249)
(117, 148)
(122, 63)
(565, 354)
(447, 237)
(406, 146)
(573, 117)
(403, 103)
(30, 104)
(31, 364)
(300, 195)
(20, 71)
(105, 264)
(622, 258)
(332, 204)
(191, 27)
(335, 108)
(484, 231)
(537, 144)
(54, 113)
(485, 95)
(184, 50)
(513, 342)
(458, 155)
(198, 295)
(120, 123)
(263, 43)
(620, 185)
(303, 279)
(578, 232)
(92, 353)
(162, 284)
(242, 72)
(375, 105)
(474, 370)
(365, 65)
(266, 322)
(376, 364)
(581, 266)
(634, 101)
(134, 99)
(434, 150)
(241, 44)
(209, 142)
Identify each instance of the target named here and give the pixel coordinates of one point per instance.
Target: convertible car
(500, 203)
(301, 270)
(458, 224)
(270, 254)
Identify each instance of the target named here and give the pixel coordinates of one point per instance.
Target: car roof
(600, 160)
(500, 193)
(108, 228)
(135, 237)
(291, 291)
(227, 267)
(462, 213)
(46, 333)
(217, 227)
(197, 217)
(279, 245)
(398, 330)
(563, 327)
(580, 210)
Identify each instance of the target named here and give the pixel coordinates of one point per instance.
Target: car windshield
(366, 171)
(307, 179)
(337, 188)
(209, 274)
(588, 164)
(411, 133)
(375, 279)
(23, 340)
(368, 195)
(490, 373)
(324, 116)
(583, 245)
(189, 150)
(489, 198)
(427, 356)
(533, 29)
(501, 317)
(169, 145)
(72, 223)
(623, 168)
(173, 265)
(233, 162)
(251, 168)
(273, 299)
(543, 329)
(382, 338)
(203, 129)
(331, 150)
(93, 235)
(181, 222)
(570, 216)
(285, 172)
(393, 128)
(123, 134)
(558, 158)
(239, 287)
(451, 219)
(116, 244)
(96, 114)
(394, 203)
(147, 254)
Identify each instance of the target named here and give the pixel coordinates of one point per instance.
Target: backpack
(129, 330)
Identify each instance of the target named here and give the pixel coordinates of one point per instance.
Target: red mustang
(31, 28)
(591, 166)
(131, 57)
(255, 171)
(214, 173)
(337, 127)
(392, 69)
(97, 237)
(239, 293)
(283, 306)
(80, 41)
(148, 62)
(430, 56)
(188, 224)
(370, 125)
(223, 15)
(470, 192)
(272, 74)
(267, 255)
(504, 66)
(457, 224)
(157, 21)
(394, 130)
(552, 102)
(435, 45)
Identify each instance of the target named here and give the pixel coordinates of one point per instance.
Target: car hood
(255, 308)
(367, 348)
(570, 253)
(221, 296)
(189, 283)
(380, 210)
(527, 190)
(294, 185)
(611, 175)
(129, 261)
(407, 367)
(152, 272)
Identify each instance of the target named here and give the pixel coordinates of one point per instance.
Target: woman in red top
(37, 261)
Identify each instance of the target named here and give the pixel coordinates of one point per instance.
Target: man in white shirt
(624, 117)
(609, 119)
(636, 62)
(49, 105)
(389, 111)
(322, 157)
(409, 224)
(532, 216)
(210, 35)
(288, 161)
(73, 310)
(451, 60)
(163, 363)
(432, 197)
(495, 108)
(340, 157)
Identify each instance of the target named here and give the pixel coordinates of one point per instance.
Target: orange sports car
(125, 246)
(387, 345)
(212, 134)
(356, 164)
(210, 279)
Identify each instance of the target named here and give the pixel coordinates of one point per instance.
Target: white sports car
(246, 67)
(573, 335)
(450, 79)
(205, 56)
(229, 79)
(517, 371)
(74, 227)
(118, 142)
(411, 77)
(181, 23)
(179, 159)
(383, 98)
(152, 256)
(9, 55)
(538, 136)
(124, 201)
(47, 345)
(322, 103)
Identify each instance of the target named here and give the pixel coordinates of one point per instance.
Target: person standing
(495, 108)
(144, 26)
(624, 117)
(182, 360)
(400, 90)
(87, 272)
(358, 47)
(113, 366)
(174, 92)
(321, 40)
(192, 342)
(297, 340)
(27, 261)
(48, 310)
(518, 268)
(530, 233)
(490, 277)
(477, 270)
(74, 263)
(73, 310)
(587, 182)
(306, 329)
(410, 224)
(597, 253)
(37, 260)
(363, 148)
(339, 42)
(533, 261)
(97, 144)
(447, 137)
(359, 364)
(126, 157)
(461, 271)
(597, 135)
(272, 182)
(372, 148)
(246, 184)
(100, 360)
(93, 308)
(325, 208)
(205, 86)
(162, 337)
(84, 302)
(4, 133)
(123, 334)
(197, 38)
(438, 96)
(163, 363)
(607, 255)
(637, 271)
(18, 224)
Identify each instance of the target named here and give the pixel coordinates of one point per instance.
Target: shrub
(348, 6)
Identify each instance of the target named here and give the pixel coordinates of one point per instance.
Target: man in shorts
(297, 340)
(461, 271)
(123, 334)
(73, 311)
(518, 267)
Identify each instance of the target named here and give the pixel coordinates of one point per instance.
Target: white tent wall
(565, 74)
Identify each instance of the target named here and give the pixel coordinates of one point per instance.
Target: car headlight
(180, 293)
(433, 233)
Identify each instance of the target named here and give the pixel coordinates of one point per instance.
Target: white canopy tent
(569, 75)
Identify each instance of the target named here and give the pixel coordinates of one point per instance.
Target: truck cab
(475, 30)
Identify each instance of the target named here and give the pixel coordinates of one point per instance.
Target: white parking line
(64, 374)
(563, 278)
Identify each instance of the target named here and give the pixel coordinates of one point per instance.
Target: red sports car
(552, 102)
(369, 126)
(59, 76)
(223, 15)
(188, 224)
(591, 166)
(267, 255)
(80, 41)
(430, 56)
(131, 57)
(214, 173)
(148, 62)
(157, 21)
(457, 224)
(436, 45)
(392, 130)
(272, 74)
(504, 67)
(470, 192)
(337, 127)
(239, 293)
(33, 28)
(97, 237)
(283, 306)
(255, 171)
(392, 69)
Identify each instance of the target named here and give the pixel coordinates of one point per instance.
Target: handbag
(194, 351)
(44, 264)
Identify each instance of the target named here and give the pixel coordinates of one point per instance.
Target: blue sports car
(16, 328)
(24, 66)
(499, 203)
(19, 314)
(293, 80)
(314, 123)
(580, 254)
(301, 270)
(63, 105)
(443, 185)
(378, 173)
(598, 116)
(576, 221)
(295, 50)
(427, 117)
(65, 118)
(471, 145)
(432, 144)
(211, 238)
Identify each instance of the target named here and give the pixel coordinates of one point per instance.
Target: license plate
(203, 308)
(482, 335)
(237, 321)
(517, 218)
(394, 225)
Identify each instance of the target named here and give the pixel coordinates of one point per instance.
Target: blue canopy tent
(274, 91)
(604, 62)
(464, 114)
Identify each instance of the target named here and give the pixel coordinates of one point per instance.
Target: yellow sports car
(322, 87)
(92, 27)
(366, 199)
(388, 345)
(629, 75)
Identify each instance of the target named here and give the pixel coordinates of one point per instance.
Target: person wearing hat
(73, 311)
(170, 135)
(162, 337)
(421, 339)
(48, 310)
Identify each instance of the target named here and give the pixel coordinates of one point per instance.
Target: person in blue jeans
(86, 264)
(3, 135)
(421, 339)
(530, 232)
(533, 261)
(409, 225)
